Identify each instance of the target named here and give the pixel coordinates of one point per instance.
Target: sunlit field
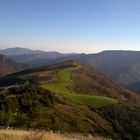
(42, 135)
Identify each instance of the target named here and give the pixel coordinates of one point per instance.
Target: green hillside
(65, 81)
(69, 97)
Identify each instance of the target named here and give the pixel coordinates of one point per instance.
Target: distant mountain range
(16, 51)
(28, 56)
(122, 67)
(8, 66)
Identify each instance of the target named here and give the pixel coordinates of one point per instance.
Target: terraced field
(62, 88)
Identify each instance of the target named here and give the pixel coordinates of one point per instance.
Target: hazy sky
(70, 25)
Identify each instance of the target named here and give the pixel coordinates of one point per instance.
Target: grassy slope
(65, 81)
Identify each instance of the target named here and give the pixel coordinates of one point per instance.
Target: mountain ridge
(87, 72)
(29, 56)
(8, 66)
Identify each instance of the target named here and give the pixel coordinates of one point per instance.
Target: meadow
(61, 87)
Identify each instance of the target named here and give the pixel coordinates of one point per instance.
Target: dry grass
(41, 135)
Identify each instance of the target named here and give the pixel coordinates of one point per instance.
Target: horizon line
(69, 52)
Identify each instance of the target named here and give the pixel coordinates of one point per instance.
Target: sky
(84, 26)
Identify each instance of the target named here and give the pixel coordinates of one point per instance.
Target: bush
(20, 103)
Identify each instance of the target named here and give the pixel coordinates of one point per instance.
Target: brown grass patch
(42, 135)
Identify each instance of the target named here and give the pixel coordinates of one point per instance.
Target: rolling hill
(8, 66)
(70, 97)
(90, 79)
